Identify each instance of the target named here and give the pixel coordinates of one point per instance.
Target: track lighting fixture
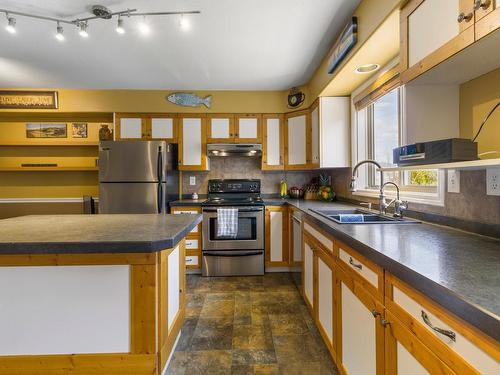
(59, 33)
(11, 24)
(83, 29)
(98, 12)
(119, 27)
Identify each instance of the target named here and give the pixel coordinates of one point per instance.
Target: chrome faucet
(352, 186)
(399, 205)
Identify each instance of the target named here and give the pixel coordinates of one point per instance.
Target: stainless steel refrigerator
(138, 177)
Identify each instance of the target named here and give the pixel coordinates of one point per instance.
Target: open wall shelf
(461, 165)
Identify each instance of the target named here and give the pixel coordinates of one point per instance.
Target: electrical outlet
(192, 180)
(493, 181)
(453, 181)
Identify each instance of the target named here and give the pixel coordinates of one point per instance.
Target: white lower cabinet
(307, 273)
(361, 347)
(325, 299)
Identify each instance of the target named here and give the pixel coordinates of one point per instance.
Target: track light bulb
(119, 27)
(184, 23)
(59, 33)
(144, 27)
(11, 26)
(83, 29)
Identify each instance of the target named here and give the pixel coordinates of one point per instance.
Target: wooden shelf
(461, 165)
(49, 169)
(40, 144)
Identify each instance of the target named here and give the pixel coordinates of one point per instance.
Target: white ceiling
(232, 45)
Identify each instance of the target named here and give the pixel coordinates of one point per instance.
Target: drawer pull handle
(484, 4)
(445, 332)
(358, 266)
(464, 17)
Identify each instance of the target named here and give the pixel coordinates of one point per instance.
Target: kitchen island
(91, 293)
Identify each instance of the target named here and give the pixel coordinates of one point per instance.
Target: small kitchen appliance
(242, 254)
(433, 152)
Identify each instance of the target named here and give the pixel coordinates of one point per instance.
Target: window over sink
(378, 128)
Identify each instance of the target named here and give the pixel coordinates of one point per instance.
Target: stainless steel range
(243, 253)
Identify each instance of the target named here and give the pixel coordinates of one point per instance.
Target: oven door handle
(239, 210)
(227, 254)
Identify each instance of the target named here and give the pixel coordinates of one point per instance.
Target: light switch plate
(453, 181)
(192, 180)
(493, 181)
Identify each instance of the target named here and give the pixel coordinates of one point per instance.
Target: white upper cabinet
(192, 145)
(220, 128)
(330, 119)
(297, 140)
(130, 128)
(164, 128)
(248, 128)
(272, 142)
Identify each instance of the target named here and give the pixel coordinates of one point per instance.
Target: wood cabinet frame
(237, 138)
(232, 128)
(462, 40)
(315, 164)
(487, 20)
(304, 112)
(264, 165)
(284, 241)
(447, 355)
(204, 161)
(395, 332)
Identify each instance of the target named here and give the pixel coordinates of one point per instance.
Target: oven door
(250, 230)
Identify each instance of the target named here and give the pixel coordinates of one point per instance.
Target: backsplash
(244, 167)
(471, 204)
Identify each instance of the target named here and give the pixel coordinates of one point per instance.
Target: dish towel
(227, 222)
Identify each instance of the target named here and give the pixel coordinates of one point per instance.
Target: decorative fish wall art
(189, 100)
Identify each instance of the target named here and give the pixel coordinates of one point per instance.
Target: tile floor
(248, 325)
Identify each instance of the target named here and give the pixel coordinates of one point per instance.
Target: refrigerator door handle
(159, 173)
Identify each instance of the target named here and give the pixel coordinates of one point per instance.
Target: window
(378, 129)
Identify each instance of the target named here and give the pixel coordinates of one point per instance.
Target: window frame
(432, 195)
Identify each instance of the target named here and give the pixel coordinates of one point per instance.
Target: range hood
(234, 149)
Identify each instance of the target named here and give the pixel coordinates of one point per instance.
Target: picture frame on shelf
(79, 130)
(46, 130)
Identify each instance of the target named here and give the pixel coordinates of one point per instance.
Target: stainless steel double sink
(367, 217)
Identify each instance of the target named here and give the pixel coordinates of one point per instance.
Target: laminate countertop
(84, 234)
(458, 270)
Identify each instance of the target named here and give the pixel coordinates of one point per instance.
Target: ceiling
(232, 45)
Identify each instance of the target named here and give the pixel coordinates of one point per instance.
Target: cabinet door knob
(481, 4)
(464, 17)
(385, 323)
(375, 313)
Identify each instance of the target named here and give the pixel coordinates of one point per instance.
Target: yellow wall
(477, 98)
(154, 101)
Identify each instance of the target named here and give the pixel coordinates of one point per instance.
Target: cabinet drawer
(369, 274)
(458, 344)
(320, 237)
(192, 260)
(192, 243)
(190, 212)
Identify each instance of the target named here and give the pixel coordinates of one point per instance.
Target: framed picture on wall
(46, 131)
(79, 130)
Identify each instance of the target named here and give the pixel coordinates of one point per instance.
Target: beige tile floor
(248, 325)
